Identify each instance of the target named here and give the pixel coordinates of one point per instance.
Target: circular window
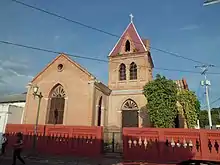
(60, 67)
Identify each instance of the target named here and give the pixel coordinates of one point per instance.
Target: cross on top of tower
(131, 18)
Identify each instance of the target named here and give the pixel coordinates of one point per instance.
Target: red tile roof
(136, 40)
(182, 84)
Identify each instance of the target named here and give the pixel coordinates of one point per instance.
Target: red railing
(139, 144)
(60, 140)
(170, 145)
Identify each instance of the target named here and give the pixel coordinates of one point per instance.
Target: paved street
(9, 162)
(41, 162)
(73, 161)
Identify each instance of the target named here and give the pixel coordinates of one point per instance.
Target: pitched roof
(70, 60)
(181, 84)
(13, 98)
(136, 40)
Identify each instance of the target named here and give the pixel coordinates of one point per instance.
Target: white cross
(131, 18)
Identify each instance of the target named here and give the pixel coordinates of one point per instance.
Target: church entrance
(130, 114)
(113, 140)
(129, 118)
(56, 105)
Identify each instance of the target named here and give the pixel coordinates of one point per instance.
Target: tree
(204, 120)
(161, 95)
(190, 105)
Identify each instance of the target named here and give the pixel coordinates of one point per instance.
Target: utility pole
(206, 83)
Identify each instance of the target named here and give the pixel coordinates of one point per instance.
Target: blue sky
(183, 27)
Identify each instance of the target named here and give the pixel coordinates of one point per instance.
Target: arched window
(127, 46)
(122, 72)
(133, 71)
(57, 105)
(129, 104)
(99, 112)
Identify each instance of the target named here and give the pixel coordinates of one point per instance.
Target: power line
(216, 100)
(50, 51)
(91, 58)
(100, 30)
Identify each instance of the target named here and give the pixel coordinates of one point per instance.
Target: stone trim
(127, 91)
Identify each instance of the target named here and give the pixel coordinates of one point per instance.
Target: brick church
(73, 96)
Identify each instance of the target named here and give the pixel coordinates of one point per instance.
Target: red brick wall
(149, 144)
(139, 144)
(60, 140)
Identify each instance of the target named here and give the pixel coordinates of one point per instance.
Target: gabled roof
(182, 84)
(136, 40)
(69, 59)
(13, 98)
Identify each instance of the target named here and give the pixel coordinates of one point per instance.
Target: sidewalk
(68, 160)
(71, 160)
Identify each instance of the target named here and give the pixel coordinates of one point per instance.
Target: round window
(60, 67)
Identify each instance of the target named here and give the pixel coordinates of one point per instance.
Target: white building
(11, 110)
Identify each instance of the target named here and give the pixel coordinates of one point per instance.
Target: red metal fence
(139, 144)
(170, 145)
(60, 140)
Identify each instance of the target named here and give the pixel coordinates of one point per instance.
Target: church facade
(73, 96)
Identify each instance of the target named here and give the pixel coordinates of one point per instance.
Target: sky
(186, 28)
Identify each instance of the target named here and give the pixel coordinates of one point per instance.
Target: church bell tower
(130, 68)
(130, 62)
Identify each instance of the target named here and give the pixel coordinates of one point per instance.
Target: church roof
(70, 60)
(136, 40)
(13, 98)
(182, 84)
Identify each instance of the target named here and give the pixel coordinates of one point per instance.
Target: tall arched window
(127, 46)
(99, 112)
(122, 72)
(57, 105)
(133, 71)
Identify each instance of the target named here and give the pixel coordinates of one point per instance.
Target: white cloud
(56, 38)
(190, 27)
(14, 77)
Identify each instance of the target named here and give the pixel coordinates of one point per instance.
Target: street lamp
(40, 96)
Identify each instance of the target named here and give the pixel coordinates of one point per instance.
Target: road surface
(7, 161)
